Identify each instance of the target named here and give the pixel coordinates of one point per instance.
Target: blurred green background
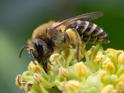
(18, 18)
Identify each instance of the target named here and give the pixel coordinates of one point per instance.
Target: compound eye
(39, 46)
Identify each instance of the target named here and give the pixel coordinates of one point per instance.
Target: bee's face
(38, 48)
(38, 51)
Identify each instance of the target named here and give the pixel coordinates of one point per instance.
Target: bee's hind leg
(78, 46)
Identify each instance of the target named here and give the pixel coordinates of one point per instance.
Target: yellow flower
(81, 69)
(102, 72)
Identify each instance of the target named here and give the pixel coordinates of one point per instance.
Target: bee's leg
(44, 63)
(78, 52)
(78, 42)
(50, 62)
(78, 46)
(32, 56)
(66, 52)
(45, 66)
(67, 46)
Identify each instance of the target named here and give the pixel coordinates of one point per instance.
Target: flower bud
(61, 86)
(120, 70)
(81, 69)
(27, 87)
(108, 89)
(121, 58)
(120, 87)
(99, 57)
(63, 72)
(18, 80)
(102, 74)
(113, 54)
(71, 86)
(37, 78)
(23, 84)
(54, 58)
(108, 78)
(90, 51)
(120, 84)
(35, 67)
(27, 76)
(108, 66)
(113, 51)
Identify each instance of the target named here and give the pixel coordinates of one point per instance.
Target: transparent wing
(86, 16)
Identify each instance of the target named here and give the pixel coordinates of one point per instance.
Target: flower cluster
(99, 71)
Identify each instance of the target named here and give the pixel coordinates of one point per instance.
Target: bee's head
(37, 49)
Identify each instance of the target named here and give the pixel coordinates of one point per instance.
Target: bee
(53, 36)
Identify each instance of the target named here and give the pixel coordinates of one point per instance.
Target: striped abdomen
(90, 32)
